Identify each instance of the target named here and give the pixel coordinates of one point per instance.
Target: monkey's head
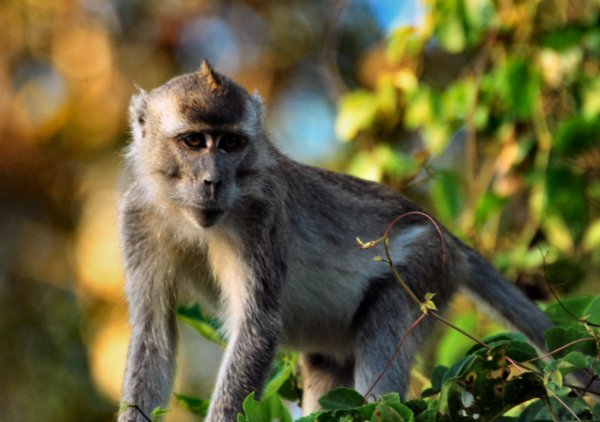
(195, 139)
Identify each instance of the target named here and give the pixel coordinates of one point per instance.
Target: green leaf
(489, 204)
(384, 412)
(393, 401)
(458, 99)
(419, 110)
(123, 406)
(480, 16)
(397, 164)
(437, 376)
(357, 111)
(449, 29)
(576, 135)
(577, 305)
(591, 240)
(564, 38)
(266, 410)
(596, 412)
(448, 196)
(404, 42)
(553, 410)
(557, 337)
(577, 360)
(194, 405)
(485, 387)
(522, 87)
(592, 312)
(460, 368)
(277, 381)
(159, 412)
(206, 326)
(274, 409)
(341, 398)
(418, 406)
(313, 417)
(252, 409)
(570, 204)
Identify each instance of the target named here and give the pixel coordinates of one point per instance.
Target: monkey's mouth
(207, 217)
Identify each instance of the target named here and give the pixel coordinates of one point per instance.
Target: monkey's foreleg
(246, 364)
(151, 293)
(150, 367)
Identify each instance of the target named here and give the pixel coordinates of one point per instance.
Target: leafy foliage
(502, 97)
(496, 376)
(483, 385)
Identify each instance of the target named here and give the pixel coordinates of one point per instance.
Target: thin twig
(460, 330)
(545, 355)
(555, 295)
(136, 407)
(564, 404)
(430, 218)
(395, 354)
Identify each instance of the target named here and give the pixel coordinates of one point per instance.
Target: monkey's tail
(503, 296)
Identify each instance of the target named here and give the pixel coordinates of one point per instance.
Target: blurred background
(485, 111)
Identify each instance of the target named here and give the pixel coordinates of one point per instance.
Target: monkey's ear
(210, 76)
(137, 113)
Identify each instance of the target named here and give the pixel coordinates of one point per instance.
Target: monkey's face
(196, 139)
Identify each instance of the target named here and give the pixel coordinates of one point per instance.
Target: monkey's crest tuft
(210, 77)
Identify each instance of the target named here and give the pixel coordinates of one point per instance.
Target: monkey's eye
(193, 140)
(230, 142)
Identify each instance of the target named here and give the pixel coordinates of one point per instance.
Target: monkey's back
(328, 272)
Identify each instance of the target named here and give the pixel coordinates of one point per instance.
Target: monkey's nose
(211, 188)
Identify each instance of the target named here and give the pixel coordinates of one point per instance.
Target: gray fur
(278, 262)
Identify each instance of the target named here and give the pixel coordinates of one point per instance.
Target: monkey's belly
(319, 307)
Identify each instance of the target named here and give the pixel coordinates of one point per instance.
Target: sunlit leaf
(449, 29)
(277, 381)
(192, 404)
(419, 109)
(404, 42)
(357, 111)
(458, 99)
(267, 410)
(158, 412)
(206, 326)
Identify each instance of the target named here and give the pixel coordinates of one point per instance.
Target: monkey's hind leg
(382, 320)
(320, 374)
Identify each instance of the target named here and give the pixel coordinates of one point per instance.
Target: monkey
(215, 213)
